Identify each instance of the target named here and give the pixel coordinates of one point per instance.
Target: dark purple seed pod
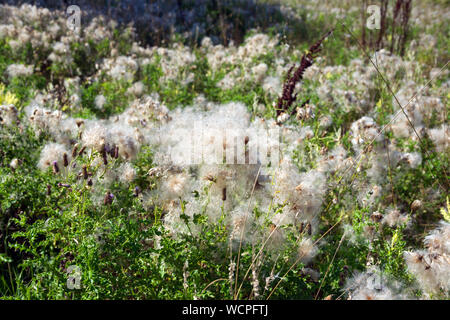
(116, 152)
(74, 151)
(65, 185)
(65, 160)
(224, 194)
(89, 182)
(49, 189)
(112, 151)
(105, 157)
(55, 167)
(136, 191)
(109, 197)
(308, 226)
(81, 151)
(85, 173)
(302, 227)
(288, 97)
(107, 148)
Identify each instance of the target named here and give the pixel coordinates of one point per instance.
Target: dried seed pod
(302, 227)
(65, 185)
(55, 167)
(210, 177)
(109, 197)
(116, 152)
(417, 204)
(104, 156)
(376, 216)
(288, 97)
(85, 173)
(74, 150)
(106, 199)
(224, 194)
(81, 151)
(112, 151)
(309, 228)
(107, 149)
(343, 275)
(65, 160)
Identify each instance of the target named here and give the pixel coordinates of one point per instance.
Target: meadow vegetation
(357, 206)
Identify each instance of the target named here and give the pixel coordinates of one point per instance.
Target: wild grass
(117, 234)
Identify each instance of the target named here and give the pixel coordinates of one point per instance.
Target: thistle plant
(194, 158)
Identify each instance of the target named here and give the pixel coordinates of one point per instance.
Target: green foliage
(123, 249)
